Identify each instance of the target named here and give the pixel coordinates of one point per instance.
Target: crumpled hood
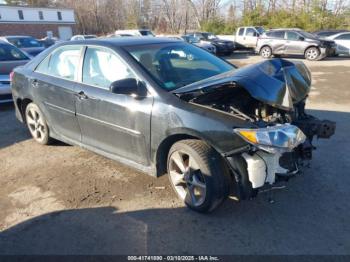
(277, 82)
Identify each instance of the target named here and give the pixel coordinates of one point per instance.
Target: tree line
(218, 16)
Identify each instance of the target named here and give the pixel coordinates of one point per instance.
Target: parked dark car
(225, 47)
(10, 57)
(327, 33)
(215, 129)
(294, 42)
(27, 44)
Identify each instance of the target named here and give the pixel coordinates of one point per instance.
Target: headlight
(272, 139)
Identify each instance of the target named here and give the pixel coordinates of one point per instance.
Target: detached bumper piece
(261, 168)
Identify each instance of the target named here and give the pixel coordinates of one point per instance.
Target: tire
(198, 175)
(312, 53)
(37, 124)
(266, 52)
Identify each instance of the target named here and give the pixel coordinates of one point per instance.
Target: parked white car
(82, 37)
(342, 40)
(202, 44)
(245, 37)
(135, 32)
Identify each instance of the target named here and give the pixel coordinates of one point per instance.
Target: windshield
(209, 36)
(146, 33)
(174, 65)
(260, 29)
(24, 42)
(306, 34)
(11, 53)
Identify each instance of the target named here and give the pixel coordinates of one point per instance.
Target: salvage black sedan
(165, 106)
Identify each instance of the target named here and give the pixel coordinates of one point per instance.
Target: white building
(37, 22)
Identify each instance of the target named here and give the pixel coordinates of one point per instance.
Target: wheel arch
(22, 103)
(161, 155)
(266, 45)
(312, 45)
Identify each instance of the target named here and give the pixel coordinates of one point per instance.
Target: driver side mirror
(301, 38)
(128, 86)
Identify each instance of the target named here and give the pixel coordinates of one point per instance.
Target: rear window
(146, 33)
(11, 53)
(24, 42)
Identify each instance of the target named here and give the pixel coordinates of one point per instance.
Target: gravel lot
(61, 199)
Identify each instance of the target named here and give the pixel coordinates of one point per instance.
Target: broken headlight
(273, 139)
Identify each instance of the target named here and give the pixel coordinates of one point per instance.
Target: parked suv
(294, 42)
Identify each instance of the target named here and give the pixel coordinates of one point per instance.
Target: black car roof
(123, 41)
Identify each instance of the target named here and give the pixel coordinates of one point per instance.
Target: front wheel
(198, 175)
(312, 53)
(37, 124)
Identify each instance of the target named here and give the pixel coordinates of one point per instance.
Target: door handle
(82, 95)
(35, 83)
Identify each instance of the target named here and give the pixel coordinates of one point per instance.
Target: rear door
(276, 41)
(114, 123)
(53, 83)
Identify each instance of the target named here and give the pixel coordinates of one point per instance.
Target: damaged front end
(272, 96)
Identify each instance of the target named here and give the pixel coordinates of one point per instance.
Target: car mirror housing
(301, 38)
(128, 86)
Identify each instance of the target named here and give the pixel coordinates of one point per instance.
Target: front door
(114, 123)
(294, 45)
(53, 83)
(251, 37)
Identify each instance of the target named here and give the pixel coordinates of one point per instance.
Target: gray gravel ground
(61, 199)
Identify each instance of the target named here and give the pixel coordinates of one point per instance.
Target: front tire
(36, 124)
(266, 52)
(312, 53)
(198, 175)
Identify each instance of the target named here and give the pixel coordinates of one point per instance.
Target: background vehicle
(82, 37)
(294, 42)
(342, 40)
(10, 57)
(196, 41)
(327, 33)
(135, 32)
(210, 126)
(222, 46)
(26, 43)
(245, 37)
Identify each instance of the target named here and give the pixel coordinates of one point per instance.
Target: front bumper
(327, 51)
(224, 48)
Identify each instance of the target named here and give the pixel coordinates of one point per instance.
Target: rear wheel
(312, 53)
(37, 124)
(266, 52)
(198, 175)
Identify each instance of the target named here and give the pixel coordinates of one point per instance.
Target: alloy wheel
(312, 54)
(36, 124)
(186, 178)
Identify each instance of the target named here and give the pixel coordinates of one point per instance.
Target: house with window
(37, 22)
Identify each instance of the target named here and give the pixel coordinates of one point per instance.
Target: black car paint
(141, 133)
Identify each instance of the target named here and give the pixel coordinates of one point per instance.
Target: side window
(241, 31)
(292, 36)
(250, 32)
(343, 37)
(63, 63)
(102, 67)
(276, 34)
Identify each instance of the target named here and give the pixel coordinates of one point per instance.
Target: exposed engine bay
(271, 95)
